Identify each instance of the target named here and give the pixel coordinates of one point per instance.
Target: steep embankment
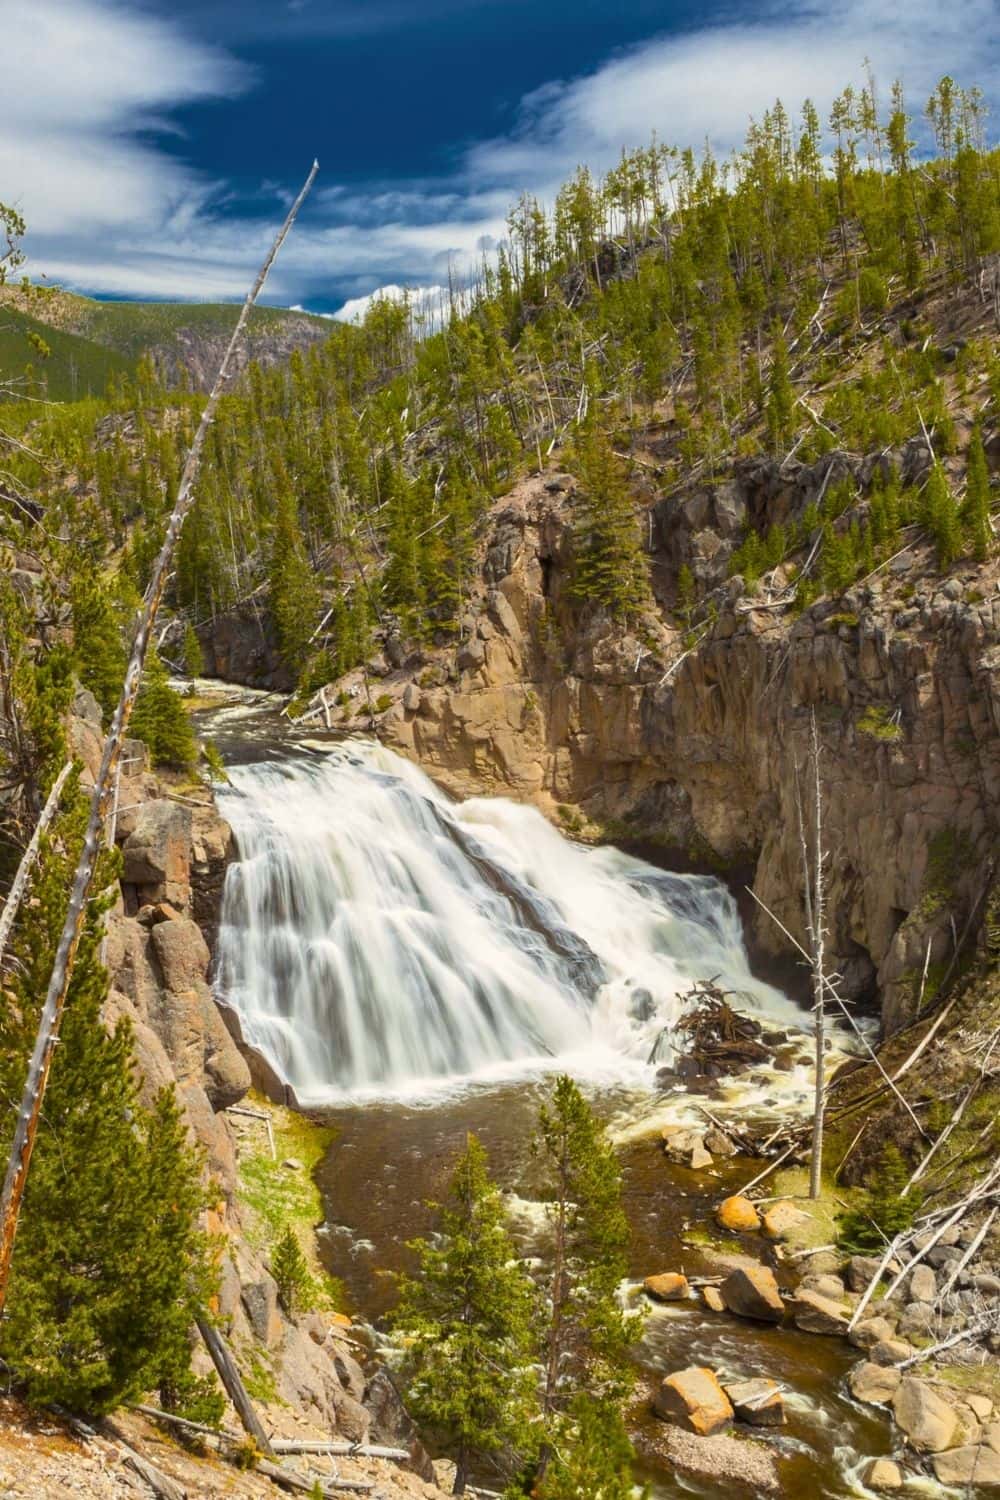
(694, 742)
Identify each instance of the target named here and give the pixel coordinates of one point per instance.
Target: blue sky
(152, 145)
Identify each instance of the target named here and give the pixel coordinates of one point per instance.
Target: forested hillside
(679, 314)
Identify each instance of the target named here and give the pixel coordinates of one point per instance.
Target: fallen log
(328, 1488)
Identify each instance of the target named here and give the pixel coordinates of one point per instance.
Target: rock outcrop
(695, 745)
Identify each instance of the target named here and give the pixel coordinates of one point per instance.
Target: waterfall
(377, 937)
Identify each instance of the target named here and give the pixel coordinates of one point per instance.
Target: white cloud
(87, 83)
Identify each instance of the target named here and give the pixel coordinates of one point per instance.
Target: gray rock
(923, 1284)
(816, 1314)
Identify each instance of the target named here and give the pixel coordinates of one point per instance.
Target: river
(416, 968)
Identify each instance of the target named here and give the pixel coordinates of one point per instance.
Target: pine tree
(609, 566)
(291, 1272)
(976, 508)
(467, 1321)
(294, 593)
(194, 661)
(940, 517)
(587, 1369)
(109, 1268)
(97, 639)
(161, 720)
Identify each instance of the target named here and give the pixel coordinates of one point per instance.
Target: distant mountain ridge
(90, 340)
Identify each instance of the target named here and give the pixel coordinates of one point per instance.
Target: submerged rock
(884, 1476)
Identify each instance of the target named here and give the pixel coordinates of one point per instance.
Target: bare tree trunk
(20, 884)
(232, 1384)
(69, 940)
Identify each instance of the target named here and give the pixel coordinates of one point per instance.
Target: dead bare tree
(69, 940)
(20, 882)
(813, 896)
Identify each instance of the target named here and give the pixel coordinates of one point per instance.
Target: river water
(416, 968)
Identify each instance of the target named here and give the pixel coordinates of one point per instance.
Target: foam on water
(377, 938)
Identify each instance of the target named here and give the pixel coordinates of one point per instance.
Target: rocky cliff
(693, 740)
(175, 848)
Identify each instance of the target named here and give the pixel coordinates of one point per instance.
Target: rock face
(699, 747)
(693, 1399)
(752, 1292)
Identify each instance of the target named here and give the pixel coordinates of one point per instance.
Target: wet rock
(816, 1314)
(718, 1143)
(927, 1421)
(721, 1459)
(891, 1352)
(875, 1384)
(781, 1218)
(923, 1284)
(693, 1399)
(752, 1292)
(737, 1214)
(758, 1402)
(884, 1476)
(974, 1464)
(670, 1287)
(871, 1331)
(700, 1158)
(712, 1298)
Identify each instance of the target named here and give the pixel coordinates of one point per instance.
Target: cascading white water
(377, 937)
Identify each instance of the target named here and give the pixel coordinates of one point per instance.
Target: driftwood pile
(718, 1040)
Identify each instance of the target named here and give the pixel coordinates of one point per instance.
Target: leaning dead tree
(22, 879)
(812, 881)
(69, 940)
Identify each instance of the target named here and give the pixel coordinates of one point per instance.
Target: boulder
(781, 1218)
(712, 1298)
(974, 1464)
(982, 1406)
(157, 853)
(699, 1157)
(737, 1214)
(884, 1476)
(816, 1314)
(861, 1269)
(670, 1287)
(923, 1284)
(927, 1421)
(752, 1292)
(758, 1402)
(827, 1286)
(693, 1399)
(871, 1331)
(890, 1352)
(918, 1319)
(874, 1384)
(718, 1143)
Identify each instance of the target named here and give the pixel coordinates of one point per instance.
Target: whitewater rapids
(377, 938)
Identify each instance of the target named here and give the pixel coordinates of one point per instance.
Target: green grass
(275, 1197)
